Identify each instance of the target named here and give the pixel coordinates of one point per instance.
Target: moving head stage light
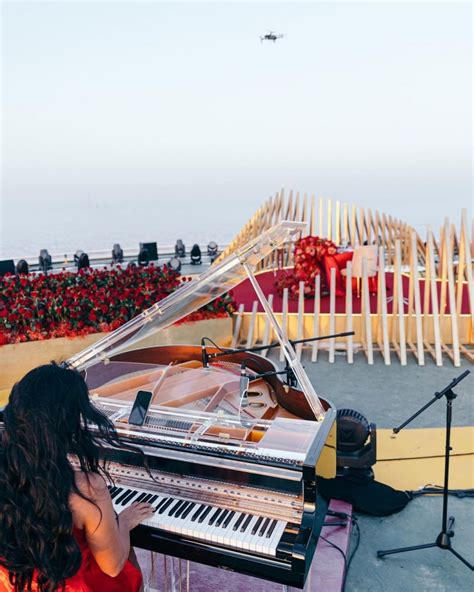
(175, 264)
(212, 250)
(180, 249)
(81, 260)
(143, 257)
(22, 267)
(196, 257)
(45, 261)
(117, 253)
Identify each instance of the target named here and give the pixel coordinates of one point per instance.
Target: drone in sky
(271, 36)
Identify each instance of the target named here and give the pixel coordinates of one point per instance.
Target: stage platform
(245, 294)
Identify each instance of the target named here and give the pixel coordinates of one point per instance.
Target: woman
(58, 529)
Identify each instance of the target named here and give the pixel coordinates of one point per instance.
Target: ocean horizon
(95, 225)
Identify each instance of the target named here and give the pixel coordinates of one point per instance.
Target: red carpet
(244, 294)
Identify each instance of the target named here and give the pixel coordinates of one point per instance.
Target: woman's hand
(135, 514)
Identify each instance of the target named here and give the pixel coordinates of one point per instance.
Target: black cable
(343, 555)
(438, 490)
(347, 562)
(214, 344)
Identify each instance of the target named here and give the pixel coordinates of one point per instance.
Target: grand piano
(228, 450)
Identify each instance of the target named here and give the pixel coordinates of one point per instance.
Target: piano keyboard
(238, 530)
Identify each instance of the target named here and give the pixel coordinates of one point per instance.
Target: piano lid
(191, 296)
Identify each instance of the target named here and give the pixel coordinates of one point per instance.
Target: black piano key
(228, 519)
(204, 514)
(181, 509)
(246, 523)
(152, 499)
(147, 497)
(116, 492)
(188, 510)
(141, 496)
(239, 521)
(222, 517)
(257, 525)
(264, 527)
(129, 497)
(271, 529)
(176, 507)
(214, 516)
(124, 495)
(197, 513)
(111, 488)
(162, 507)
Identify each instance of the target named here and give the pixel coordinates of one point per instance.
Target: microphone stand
(290, 376)
(443, 540)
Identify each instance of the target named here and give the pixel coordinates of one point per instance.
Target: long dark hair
(48, 417)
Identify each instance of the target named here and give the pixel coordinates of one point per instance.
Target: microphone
(204, 356)
(244, 386)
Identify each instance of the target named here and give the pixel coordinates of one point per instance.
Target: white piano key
(276, 536)
(249, 536)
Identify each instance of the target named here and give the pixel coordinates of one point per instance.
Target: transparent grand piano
(230, 448)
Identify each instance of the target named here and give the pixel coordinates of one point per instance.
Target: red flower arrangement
(309, 254)
(90, 301)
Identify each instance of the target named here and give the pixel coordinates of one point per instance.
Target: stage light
(152, 250)
(45, 261)
(7, 266)
(356, 443)
(196, 258)
(180, 249)
(81, 260)
(212, 251)
(117, 253)
(175, 264)
(143, 257)
(22, 267)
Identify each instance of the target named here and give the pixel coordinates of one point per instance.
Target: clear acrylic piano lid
(216, 281)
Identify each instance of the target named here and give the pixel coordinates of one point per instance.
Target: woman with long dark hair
(58, 529)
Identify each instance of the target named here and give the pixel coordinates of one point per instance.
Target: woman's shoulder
(91, 485)
(92, 490)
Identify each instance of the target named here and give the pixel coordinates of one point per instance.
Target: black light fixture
(196, 258)
(175, 264)
(117, 253)
(22, 267)
(7, 266)
(152, 250)
(179, 248)
(356, 443)
(45, 261)
(81, 260)
(212, 251)
(143, 256)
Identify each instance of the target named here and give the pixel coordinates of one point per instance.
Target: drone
(271, 36)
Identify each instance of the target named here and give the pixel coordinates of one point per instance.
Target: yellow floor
(414, 457)
(4, 396)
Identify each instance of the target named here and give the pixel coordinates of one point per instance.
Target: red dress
(90, 578)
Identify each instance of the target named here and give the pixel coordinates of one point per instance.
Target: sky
(126, 119)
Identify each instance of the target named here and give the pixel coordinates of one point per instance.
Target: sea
(96, 224)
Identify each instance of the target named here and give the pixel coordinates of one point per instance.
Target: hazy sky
(156, 106)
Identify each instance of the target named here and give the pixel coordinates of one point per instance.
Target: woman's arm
(107, 537)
